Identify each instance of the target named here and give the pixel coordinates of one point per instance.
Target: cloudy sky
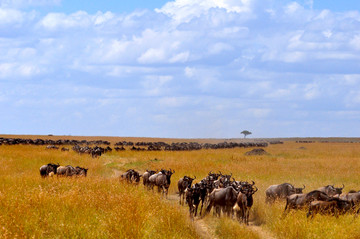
(183, 68)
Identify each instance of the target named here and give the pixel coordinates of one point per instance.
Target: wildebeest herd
(217, 190)
(50, 169)
(222, 193)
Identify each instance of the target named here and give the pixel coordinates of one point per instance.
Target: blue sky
(184, 68)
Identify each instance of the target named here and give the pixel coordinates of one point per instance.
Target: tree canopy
(245, 133)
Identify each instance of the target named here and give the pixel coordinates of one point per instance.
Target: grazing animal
(331, 190)
(334, 207)
(299, 201)
(281, 191)
(70, 171)
(48, 168)
(184, 183)
(131, 176)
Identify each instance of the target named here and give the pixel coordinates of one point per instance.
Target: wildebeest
(146, 177)
(244, 203)
(163, 180)
(299, 201)
(331, 190)
(222, 198)
(70, 171)
(48, 168)
(281, 191)
(131, 176)
(184, 183)
(334, 206)
(193, 199)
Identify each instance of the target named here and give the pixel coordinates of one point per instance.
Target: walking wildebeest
(48, 168)
(70, 171)
(334, 206)
(244, 203)
(184, 183)
(193, 199)
(222, 198)
(281, 191)
(331, 190)
(131, 176)
(146, 177)
(162, 181)
(299, 201)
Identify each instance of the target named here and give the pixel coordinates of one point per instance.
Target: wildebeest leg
(208, 208)
(196, 209)
(247, 214)
(202, 204)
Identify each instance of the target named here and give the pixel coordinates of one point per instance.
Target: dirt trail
(264, 234)
(201, 227)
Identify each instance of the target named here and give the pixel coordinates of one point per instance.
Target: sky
(180, 69)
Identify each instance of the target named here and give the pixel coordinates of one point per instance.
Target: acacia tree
(245, 132)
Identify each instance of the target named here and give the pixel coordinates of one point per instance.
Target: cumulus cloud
(225, 61)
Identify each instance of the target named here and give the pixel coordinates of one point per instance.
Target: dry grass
(100, 207)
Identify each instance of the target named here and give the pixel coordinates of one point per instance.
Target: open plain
(101, 206)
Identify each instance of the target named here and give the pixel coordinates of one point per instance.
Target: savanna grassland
(100, 206)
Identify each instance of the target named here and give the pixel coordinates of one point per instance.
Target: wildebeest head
(299, 190)
(331, 190)
(81, 171)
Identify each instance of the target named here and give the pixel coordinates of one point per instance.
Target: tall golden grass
(99, 206)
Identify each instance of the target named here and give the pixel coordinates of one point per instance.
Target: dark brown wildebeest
(334, 206)
(244, 203)
(331, 190)
(48, 168)
(300, 201)
(131, 176)
(162, 181)
(81, 172)
(281, 191)
(224, 198)
(184, 183)
(146, 177)
(193, 199)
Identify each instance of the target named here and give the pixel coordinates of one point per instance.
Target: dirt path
(202, 229)
(264, 234)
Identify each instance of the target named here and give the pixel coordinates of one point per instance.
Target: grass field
(99, 206)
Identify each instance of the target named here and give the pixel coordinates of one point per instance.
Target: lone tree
(245, 132)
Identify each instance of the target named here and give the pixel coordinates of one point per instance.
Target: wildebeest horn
(194, 177)
(254, 191)
(220, 172)
(253, 183)
(304, 186)
(343, 186)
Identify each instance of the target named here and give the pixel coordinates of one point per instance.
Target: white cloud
(152, 55)
(223, 61)
(181, 57)
(186, 10)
